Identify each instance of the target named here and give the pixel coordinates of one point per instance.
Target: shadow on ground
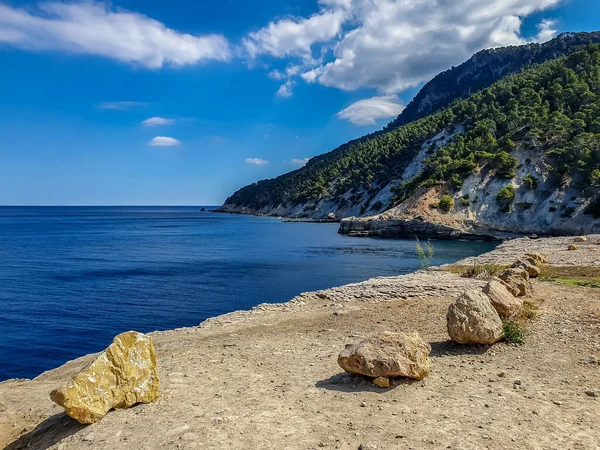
(345, 382)
(450, 348)
(51, 431)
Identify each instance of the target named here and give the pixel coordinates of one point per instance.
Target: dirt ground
(269, 379)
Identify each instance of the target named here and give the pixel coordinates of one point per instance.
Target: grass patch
(578, 276)
(579, 282)
(482, 271)
(529, 313)
(514, 333)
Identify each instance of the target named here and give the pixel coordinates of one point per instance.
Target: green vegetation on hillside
(552, 108)
(484, 69)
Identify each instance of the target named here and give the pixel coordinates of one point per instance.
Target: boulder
(388, 355)
(123, 375)
(515, 272)
(532, 270)
(473, 320)
(573, 247)
(580, 239)
(503, 301)
(517, 281)
(538, 258)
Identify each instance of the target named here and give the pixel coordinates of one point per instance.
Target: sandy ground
(269, 379)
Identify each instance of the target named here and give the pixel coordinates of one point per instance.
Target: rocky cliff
(476, 213)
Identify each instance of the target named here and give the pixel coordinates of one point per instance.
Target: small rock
(580, 239)
(533, 270)
(539, 258)
(382, 382)
(593, 394)
(189, 437)
(363, 404)
(573, 247)
(556, 402)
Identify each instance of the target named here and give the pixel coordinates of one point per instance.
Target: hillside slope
(538, 131)
(485, 68)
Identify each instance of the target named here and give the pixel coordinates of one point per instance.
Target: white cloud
(95, 28)
(546, 30)
(300, 162)
(164, 141)
(155, 121)
(285, 90)
(120, 106)
(369, 111)
(256, 161)
(391, 45)
(294, 36)
(277, 75)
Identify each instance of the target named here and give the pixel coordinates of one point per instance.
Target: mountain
(521, 156)
(485, 68)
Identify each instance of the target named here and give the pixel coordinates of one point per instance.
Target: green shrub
(505, 165)
(530, 182)
(505, 197)
(434, 205)
(456, 181)
(446, 203)
(465, 202)
(425, 253)
(514, 333)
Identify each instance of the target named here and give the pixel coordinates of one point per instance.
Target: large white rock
(473, 320)
(388, 355)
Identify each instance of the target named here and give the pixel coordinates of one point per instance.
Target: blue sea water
(71, 278)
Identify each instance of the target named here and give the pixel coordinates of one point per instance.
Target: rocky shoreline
(268, 378)
(408, 228)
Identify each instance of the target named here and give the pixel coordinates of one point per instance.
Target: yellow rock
(382, 382)
(123, 375)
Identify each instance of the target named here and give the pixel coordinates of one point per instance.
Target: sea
(71, 278)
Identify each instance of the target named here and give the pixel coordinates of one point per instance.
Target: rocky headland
(269, 377)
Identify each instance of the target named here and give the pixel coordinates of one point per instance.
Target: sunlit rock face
(123, 375)
(473, 320)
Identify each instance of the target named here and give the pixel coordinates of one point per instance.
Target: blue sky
(182, 102)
